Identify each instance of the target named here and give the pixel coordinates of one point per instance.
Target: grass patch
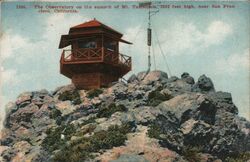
(73, 96)
(82, 149)
(90, 120)
(192, 154)
(156, 97)
(108, 111)
(154, 131)
(53, 140)
(94, 93)
(56, 115)
(241, 157)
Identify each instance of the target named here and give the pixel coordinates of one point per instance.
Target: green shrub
(154, 131)
(156, 97)
(242, 157)
(108, 111)
(192, 154)
(55, 113)
(89, 129)
(81, 149)
(73, 96)
(94, 93)
(90, 120)
(53, 140)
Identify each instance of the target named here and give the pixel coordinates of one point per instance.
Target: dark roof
(65, 39)
(93, 23)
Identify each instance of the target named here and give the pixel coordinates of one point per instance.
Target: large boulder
(224, 102)
(22, 116)
(190, 105)
(178, 87)
(154, 76)
(204, 84)
(231, 135)
(187, 78)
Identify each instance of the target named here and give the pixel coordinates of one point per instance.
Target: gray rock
(120, 91)
(170, 135)
(189, 105)
(187, 78)
(199, 136)
(178, 87)
(141, 75)
(144, 115)
(224, 102)
(133, 78)
(184, 75)
(204, 84)
(24, 97)
(172, 79)
(65, 107)
(40, 94)
(22, 115)
(154, 76)
(232, 135)
(62, 89)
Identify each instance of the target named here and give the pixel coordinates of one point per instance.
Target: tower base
(93, 80)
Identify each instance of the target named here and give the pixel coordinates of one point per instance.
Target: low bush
(82, 149)
(192, 154)
(154, 131)
(54, 113)
(241, 157)
(94, 93)
(108, 111)
(156, 97)
(53, 140)
(73, 96)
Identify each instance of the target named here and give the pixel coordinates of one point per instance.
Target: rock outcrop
(152, 118)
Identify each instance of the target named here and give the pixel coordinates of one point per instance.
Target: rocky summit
(150, 118)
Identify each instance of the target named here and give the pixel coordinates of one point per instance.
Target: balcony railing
(95, 55)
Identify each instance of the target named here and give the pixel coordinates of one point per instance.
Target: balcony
(95, 55)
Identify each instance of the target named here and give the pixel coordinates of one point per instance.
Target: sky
(211, 41)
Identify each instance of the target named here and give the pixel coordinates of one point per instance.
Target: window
(110, 46)
(86, 44)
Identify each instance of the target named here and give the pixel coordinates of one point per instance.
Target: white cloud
(8, 76)
(58, 24)
(184, 38)
(9, 43)
(137, 50)
(179, 38)
(233, 63)
(217, 32)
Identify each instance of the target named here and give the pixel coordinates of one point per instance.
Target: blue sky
(210, 41)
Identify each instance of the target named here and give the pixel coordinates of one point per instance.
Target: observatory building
(91, 57)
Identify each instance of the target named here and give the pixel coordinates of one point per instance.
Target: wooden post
(102, 48)
(118, 54)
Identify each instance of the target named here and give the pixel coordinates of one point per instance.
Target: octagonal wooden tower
(93, 60)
